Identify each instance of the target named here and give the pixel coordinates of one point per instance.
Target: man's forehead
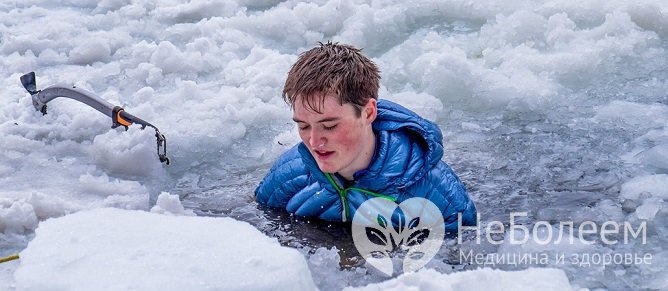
(327, 113)
(329, 105)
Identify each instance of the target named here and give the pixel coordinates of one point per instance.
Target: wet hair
(332, 68)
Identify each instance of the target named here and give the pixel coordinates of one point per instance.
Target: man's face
(337, 138)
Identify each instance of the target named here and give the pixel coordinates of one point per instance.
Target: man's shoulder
(289, 155)
(290, 163)
(441, 173)
(288, 175)
(435, 178)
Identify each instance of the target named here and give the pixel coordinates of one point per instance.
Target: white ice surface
(114, 249)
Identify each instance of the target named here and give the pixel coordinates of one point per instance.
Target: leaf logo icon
(380, 226)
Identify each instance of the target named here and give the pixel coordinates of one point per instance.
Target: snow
(114, 249)
(555, 108)
(168, 203)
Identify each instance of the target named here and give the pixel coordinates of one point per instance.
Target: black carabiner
(162, 142)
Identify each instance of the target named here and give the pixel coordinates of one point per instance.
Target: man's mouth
(323, 154)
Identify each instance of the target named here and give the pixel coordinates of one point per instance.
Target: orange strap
(120, 119)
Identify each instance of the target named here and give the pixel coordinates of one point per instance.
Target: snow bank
(482, 279)
(113, 249)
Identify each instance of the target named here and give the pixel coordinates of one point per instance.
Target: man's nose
(317, 139)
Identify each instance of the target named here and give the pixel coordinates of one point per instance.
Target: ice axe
(119, 117)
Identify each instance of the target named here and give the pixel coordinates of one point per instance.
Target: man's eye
(303, 127)
(329, 127)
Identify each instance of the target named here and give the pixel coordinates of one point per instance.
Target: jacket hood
(394, 117)
(408, 146)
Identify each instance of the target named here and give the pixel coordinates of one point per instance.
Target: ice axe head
(28, 81)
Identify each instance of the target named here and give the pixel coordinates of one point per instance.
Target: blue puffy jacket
(407, 163)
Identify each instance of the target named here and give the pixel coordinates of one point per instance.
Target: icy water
(562, 165)
(553, 108)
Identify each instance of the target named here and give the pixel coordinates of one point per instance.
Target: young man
(355, 147)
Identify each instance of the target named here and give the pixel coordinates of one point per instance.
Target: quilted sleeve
(286, 177)
(450, 195)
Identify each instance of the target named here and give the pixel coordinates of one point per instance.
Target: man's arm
(451, 193)
(286, 177)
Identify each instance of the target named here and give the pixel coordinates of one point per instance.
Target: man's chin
(327, 168)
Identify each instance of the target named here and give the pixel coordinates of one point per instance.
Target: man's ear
(370, 110)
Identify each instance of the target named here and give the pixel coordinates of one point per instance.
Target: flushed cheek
(348, 143)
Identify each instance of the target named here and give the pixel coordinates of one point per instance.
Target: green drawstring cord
(343, 193)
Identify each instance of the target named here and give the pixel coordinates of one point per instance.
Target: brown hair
(332, 68)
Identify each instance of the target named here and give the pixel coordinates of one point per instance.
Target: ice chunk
(168, 203)
(113, 249)
(656, 185)
(649, 208)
